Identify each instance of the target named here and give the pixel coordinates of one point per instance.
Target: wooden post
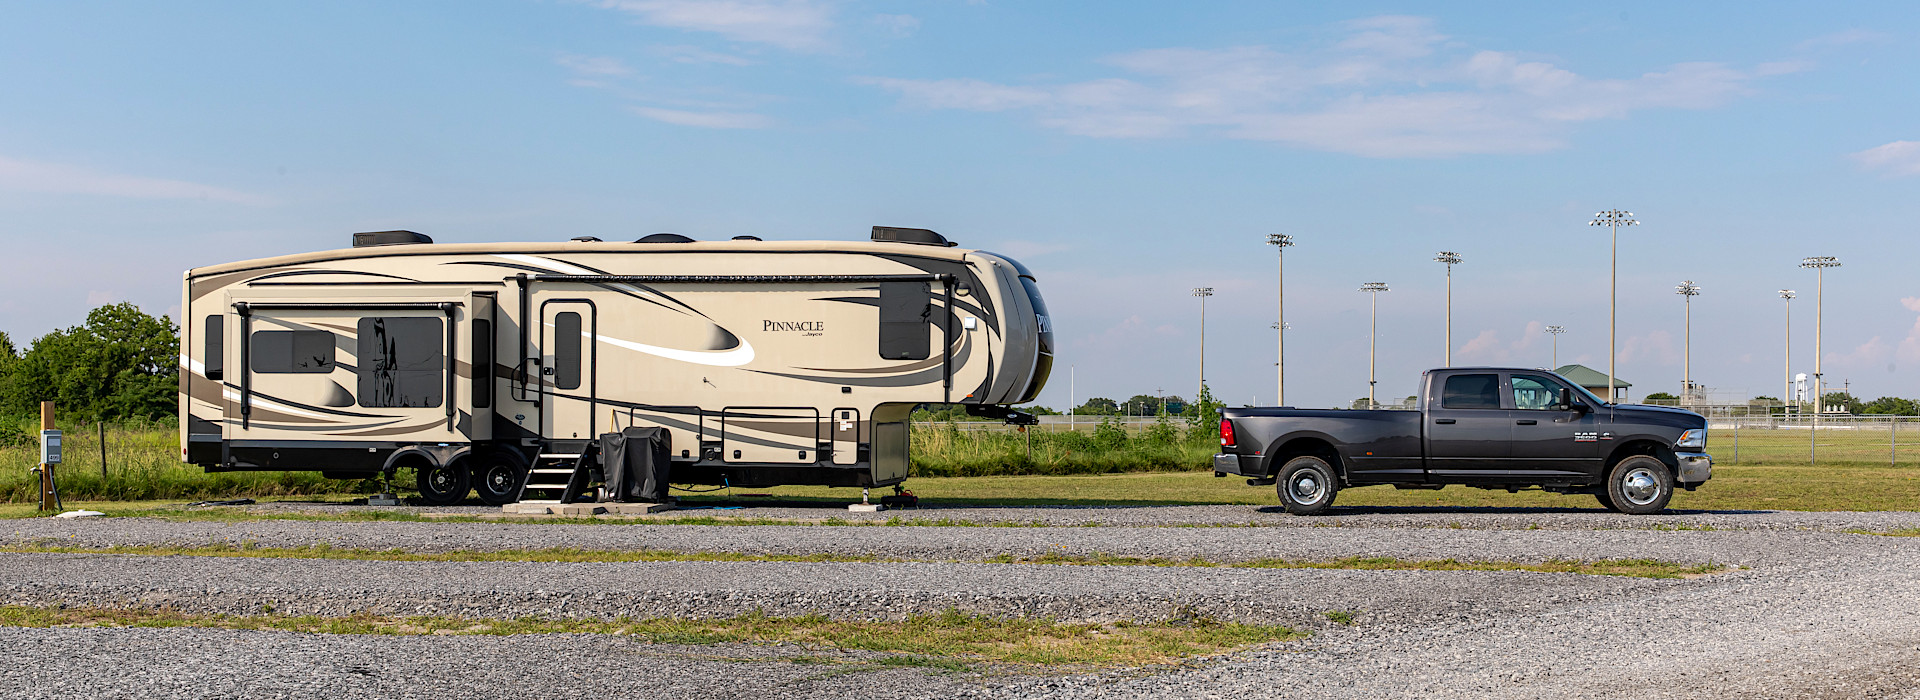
(46, 470)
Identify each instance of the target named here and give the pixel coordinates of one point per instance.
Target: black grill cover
(637, 464)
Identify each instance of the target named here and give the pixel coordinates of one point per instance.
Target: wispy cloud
(709, 120)
(1387, 87)
(897, 25)
(594, 65)
(1893, 159)
(1845, 37)
(54, 178)
(694, 54)
(799, 25)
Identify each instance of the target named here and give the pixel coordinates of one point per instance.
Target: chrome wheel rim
(1307, 489)
(1639, 486)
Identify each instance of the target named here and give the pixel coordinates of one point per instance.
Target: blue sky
(1125, 151)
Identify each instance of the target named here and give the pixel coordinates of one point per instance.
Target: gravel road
(1817, 612)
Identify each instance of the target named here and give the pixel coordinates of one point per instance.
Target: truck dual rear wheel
(1638, 486)
(1307, 485)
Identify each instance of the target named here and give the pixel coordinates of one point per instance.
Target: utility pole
(1786, 398)
(1280, 241)
(1820, 265)
(1203, 293)
(1689, 290)
(1555, 331)
(1613, 219)
(1373, 289)
(1450, 258)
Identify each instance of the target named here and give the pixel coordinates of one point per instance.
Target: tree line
(121, 364)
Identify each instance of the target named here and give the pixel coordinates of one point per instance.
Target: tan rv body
(767, 362)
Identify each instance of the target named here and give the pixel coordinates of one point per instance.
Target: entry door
(1469, 432)
(1551, 439)
(568, 328)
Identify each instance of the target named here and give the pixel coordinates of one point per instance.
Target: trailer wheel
(1639, 485)
(497, 476)
(443, 485)
(1307, 485)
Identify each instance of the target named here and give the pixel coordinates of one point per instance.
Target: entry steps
(559, 477)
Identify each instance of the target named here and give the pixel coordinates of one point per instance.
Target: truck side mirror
(1567, 402)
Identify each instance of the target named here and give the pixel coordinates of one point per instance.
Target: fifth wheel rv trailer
(760, 363)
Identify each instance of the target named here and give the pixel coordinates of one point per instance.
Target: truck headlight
(1695, 438)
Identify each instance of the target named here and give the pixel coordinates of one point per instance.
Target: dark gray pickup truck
(1486, 427)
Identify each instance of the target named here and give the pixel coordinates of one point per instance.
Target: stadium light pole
(1450, 258)
(1688, 290)
(1280, 241)
(1820, 265)
(1373, 290)
(1203, 293)
(1786, 395)
(1555, 331)
(1613, 219)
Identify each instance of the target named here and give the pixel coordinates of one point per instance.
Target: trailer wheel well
(1636, 448)
(1280, 454)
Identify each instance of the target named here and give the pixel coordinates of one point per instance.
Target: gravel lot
(1817, 613)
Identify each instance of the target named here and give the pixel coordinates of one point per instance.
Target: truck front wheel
(1307, 485)
(1639, 485)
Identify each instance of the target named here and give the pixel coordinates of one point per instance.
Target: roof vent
(918, 236)
(379, 238)
(665, 238)
(746, 238)
(585, 239)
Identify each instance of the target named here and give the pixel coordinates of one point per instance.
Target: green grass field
(991, 468)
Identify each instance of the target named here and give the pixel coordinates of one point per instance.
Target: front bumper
(1695, 467)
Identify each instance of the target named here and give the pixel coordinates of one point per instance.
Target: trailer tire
(443, 484)
(497, 476)
(1307, 485)
(1639, 485)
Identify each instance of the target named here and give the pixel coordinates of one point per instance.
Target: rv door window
(401, 360)
(566, 350)
(291, 352)
(216, 350)
(906, 312)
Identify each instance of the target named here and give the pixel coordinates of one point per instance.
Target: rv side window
(482, 363)
(906, 311)
(216, 348)
(401, 360)
(566, 350)
(291, 352)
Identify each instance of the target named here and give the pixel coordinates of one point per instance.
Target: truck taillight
(1226, 433)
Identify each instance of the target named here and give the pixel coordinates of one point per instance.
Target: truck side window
(1535, 393)
(1471, 391)
(906, 310)
(291, 352)
(401, 360)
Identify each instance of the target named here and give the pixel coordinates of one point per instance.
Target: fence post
(1736, 441)
(1893, 454)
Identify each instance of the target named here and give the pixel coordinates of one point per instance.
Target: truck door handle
(1528, 421)
(1443, 421)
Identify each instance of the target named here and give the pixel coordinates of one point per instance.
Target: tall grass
(943, 449)
(143, 462)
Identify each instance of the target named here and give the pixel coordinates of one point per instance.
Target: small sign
(49, 447)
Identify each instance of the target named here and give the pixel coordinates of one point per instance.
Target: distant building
(1596, 382)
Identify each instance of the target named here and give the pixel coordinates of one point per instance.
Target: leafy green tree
(1203, 422)
(1841, 399)
(121, 363)
(1098, 407)
(1891, 406)
(1661, 396)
